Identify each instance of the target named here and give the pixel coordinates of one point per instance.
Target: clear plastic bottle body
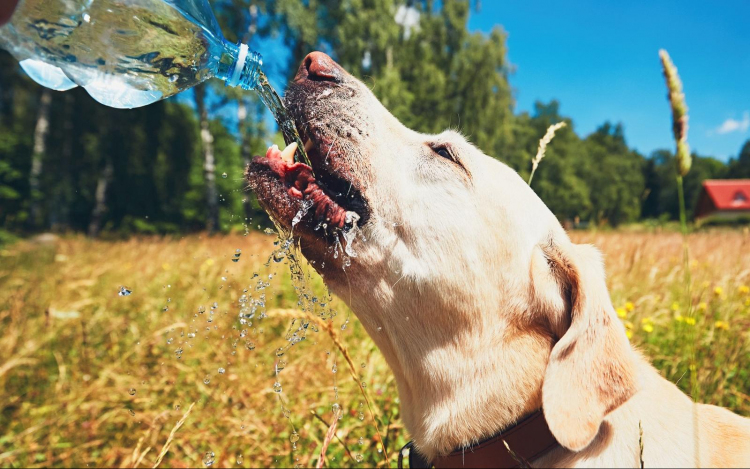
(126, 53)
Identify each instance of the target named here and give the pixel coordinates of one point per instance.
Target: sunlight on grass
(91, 377)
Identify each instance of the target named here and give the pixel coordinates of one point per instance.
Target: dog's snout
(318, 66)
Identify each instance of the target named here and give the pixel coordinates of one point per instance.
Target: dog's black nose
(319, 67)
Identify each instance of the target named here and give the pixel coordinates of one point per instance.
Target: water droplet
(165, 309)
(334, 368)
(359, 457)
(169, 341)
(222, 371)
(280, 351)
(277, 386)
(361, 441)
(124, 291)
(177, 407)
(249, 345)
(364, 385)
(238, 459)
(280, 365)
(173, 78)
(87, 17)
(269, 231)
(209, 459)
(361, 416)
(335, 407)
(132, 412)
(131, 391)
(207, 379)
(363, 365)
(294, 437)
(201, 309)
(224, 175)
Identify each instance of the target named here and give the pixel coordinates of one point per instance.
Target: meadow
(163, 373)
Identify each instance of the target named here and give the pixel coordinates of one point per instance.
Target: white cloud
(732, 125)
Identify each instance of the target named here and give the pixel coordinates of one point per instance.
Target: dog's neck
(460, 389)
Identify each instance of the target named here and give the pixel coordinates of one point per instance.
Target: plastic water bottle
(126, 53)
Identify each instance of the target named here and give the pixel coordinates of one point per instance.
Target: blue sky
(600, 60)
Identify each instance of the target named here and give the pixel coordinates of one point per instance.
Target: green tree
(740, 168)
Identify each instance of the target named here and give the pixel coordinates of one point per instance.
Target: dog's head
(459, 272)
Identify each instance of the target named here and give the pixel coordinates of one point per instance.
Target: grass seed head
(679, 112)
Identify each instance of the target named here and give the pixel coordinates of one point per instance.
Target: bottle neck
(240, 66)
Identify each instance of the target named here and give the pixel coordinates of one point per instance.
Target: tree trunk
(209, 164)
(100, 205)
(59, 211)
(37, 158)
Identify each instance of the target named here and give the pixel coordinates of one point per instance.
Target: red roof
(729, 194)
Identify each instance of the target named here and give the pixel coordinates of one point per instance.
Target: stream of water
(286, 124)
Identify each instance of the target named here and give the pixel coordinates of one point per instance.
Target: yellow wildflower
(648, 327)
(747, 302)
(690, 321)
(721, 325)
(647, 320)
(743, 289)
(718, 291)
(621, 312)
(165, 266)
(705, 284)
(675, 306)
(628, 324)
(702, 306)
(679, 318)
(629, 333)
(629, 306)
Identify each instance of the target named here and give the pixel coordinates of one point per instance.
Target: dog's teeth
(288, 153)
(308, 145)
(351, 218)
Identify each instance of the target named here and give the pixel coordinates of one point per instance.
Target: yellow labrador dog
(482, 306)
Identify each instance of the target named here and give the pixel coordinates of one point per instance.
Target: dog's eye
(444, 152)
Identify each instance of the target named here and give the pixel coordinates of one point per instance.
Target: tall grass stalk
(328, 327)
(548, 136)
(684, 162)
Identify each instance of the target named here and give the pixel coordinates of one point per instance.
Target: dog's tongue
(301, 183)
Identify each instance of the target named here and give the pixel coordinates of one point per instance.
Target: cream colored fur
(486, 311)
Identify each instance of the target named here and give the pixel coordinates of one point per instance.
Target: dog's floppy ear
(591, 370)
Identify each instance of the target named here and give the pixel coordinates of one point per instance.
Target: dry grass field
(92, 378)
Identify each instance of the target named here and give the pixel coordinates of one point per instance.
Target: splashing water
(306, 206)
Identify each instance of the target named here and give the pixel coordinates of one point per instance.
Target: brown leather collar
(527, 440)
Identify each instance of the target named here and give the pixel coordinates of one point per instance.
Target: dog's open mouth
(325, 201)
